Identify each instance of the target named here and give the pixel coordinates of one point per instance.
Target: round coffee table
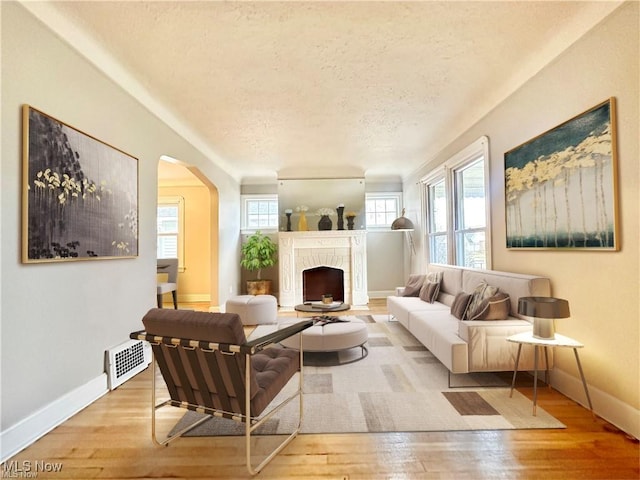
(332, 336)
(317, 308)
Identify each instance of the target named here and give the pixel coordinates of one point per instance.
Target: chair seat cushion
(274, 368)
(166, 288)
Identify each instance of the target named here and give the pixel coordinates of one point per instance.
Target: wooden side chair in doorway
(209, 367)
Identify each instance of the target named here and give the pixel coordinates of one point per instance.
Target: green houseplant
(258, 252)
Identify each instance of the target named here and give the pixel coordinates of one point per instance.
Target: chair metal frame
(248, 350)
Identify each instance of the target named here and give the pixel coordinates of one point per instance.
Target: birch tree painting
(560, 187)
(80, 198)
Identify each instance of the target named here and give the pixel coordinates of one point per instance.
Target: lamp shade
(543, 310)
(402, 223)
(543, 307)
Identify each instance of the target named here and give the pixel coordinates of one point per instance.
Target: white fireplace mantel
(342, 249)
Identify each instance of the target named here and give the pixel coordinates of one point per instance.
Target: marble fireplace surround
(342, 249)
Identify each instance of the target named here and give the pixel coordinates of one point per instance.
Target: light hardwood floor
(110, 439)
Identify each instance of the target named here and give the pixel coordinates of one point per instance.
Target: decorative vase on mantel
(325, 223)
(340, 210)
(288, 213)
(350, 220)
(302, 222)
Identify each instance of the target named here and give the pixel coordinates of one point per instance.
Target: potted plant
(258, 252)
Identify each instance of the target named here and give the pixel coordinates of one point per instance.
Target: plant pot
(259, 287)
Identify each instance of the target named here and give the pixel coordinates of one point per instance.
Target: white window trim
(243, 211)
(447, 170)
(374, 195)
(434, 177)
(179, 200)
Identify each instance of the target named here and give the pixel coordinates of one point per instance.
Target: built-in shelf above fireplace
(341, 249)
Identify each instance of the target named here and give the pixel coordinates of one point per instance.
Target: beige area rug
(399, 387)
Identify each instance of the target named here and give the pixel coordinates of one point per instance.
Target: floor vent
(126, 360)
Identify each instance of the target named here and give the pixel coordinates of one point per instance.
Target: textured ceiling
(302, 89)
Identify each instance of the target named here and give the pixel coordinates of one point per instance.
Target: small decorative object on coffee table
(322, 308)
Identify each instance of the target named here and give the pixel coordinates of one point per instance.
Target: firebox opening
(319, 281)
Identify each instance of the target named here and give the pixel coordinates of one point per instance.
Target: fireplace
(319, 281)
(314, 252)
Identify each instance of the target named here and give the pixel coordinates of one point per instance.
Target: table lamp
(543, 310)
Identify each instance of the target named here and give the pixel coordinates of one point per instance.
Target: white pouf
(327, 338)
(254, 309)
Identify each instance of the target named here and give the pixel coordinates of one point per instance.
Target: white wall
(602, 287)
(58, 319)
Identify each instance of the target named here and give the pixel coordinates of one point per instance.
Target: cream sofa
(465, 346)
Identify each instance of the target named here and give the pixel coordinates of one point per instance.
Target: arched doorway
(198, 276)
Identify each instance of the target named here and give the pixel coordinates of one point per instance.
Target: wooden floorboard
(111, 439)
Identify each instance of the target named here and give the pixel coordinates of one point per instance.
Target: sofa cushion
(481, 292)
(460, 304)
(401, 307)
(413, 286)
(431, 287)
(489, 351)
(493, 308)
(438, 331)
(451, 281)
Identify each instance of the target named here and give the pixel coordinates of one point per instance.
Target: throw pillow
(429, 292)
(482, 291)
(460, 304)
(431, 287)
(494, 308)
(413, 286)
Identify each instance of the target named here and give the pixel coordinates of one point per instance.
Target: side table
(527, 338)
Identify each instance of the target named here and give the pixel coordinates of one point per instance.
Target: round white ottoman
(330, 337)
(254, 309)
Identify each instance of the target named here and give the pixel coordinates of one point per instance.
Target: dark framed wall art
(561, 186)
(80, 195)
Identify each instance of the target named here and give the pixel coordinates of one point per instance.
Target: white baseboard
(24, 433)
(194, 298)
(609, 408)
(381, 293)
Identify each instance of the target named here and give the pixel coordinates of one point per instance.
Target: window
(260, 212)
(437, 229)
(381, 210)
(170, 229)
(457, 209)
(470, 215)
